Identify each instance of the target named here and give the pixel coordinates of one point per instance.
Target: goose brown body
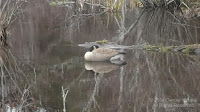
(101, 54)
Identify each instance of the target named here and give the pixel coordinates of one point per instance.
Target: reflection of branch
(11, 68)
(72, 83)
(64, 95)
(122, 74)
(92, 96)
(182, 24)
(13, 79)
(2, 84)
(24, 98)
(176, 83)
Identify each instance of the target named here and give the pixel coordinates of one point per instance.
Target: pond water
(46, 40)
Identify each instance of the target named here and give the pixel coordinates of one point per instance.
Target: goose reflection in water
(103, 67)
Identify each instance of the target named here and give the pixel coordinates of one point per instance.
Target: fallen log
(186, 49)
(193, 49)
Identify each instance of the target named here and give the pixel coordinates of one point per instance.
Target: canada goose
(103, 54)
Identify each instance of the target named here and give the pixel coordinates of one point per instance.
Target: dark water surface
(150, 81)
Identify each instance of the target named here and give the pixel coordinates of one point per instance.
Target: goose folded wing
(104, 51)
